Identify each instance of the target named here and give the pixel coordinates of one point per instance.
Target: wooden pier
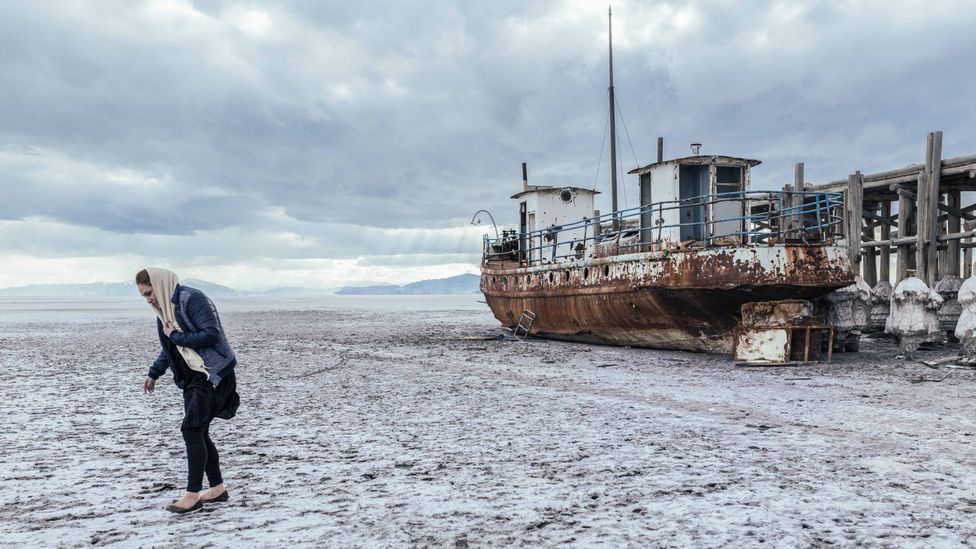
(914, 214)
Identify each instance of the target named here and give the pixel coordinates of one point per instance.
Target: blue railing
(724, 219)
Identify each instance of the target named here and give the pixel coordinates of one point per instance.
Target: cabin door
(728, 209)
(693, 190)
(646, 216)
(522, 230)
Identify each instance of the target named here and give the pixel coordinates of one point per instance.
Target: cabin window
(728, 179)
(727, 212)
(550, 278)
(606, 270)
(586, 273)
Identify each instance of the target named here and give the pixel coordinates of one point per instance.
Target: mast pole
(613, 133)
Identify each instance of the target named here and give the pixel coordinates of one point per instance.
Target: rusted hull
(687, 300)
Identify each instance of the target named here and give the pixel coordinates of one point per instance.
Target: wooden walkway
(914, 213)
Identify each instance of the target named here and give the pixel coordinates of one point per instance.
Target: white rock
(966, 326)
(914, 314)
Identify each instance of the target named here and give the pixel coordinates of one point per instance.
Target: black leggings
(201, 455)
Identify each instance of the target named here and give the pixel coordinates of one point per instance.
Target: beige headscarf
(164, 284)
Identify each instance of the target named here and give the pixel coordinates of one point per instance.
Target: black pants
(201, 456)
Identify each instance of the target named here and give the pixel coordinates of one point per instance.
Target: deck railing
(725, 219)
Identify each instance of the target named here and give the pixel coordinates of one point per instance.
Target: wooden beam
(960, 165)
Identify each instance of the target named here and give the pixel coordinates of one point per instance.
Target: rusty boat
(672, 273)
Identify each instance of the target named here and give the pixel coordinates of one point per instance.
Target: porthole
(550, 278)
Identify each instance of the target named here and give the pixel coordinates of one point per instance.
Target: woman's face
(147, 292)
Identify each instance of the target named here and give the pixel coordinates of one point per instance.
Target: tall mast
(613, 134)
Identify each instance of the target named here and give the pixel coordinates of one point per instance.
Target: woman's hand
(149, 386)
(169, 328)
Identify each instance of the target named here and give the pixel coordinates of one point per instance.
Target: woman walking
(196, 350)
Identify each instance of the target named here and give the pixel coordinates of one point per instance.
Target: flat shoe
(180, 510)
(219, 499)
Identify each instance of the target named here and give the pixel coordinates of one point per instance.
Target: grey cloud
(350, 118)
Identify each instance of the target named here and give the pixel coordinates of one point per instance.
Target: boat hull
(686, 300)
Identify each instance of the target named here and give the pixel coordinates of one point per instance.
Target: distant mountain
(381, 289)
(292, 291)
(211, 289)
(455, 285)
(96, 289)
(107, 289)
(461, 284)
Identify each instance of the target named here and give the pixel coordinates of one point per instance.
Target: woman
(195, 348)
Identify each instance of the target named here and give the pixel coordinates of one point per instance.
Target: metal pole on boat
(613, 134)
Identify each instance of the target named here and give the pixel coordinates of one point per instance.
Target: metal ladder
(525, 323)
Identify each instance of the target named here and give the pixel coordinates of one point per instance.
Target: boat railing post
(779, 218)
(555, 244)
(820, 220)
(706, 207)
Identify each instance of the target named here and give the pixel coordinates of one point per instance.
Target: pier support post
(885, 255)
(954, 226)
(854, 211)
(929, 236)
(906, 216)
(869, 259)
(798, 199)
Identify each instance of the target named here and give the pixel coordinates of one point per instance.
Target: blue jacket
(201, 331)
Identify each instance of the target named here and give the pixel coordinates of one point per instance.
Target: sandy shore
(368, 428)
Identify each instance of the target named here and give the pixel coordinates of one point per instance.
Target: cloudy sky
(324, 143)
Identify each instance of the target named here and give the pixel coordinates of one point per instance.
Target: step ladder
(524, 324)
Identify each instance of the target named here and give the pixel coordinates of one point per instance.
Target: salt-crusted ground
(371, 428)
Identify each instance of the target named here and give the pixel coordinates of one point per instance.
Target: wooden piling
(853, 213)
(885, 255)
(798, 198)
(921, 226)
(905, 259)
(934, 163)
(868, 255)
